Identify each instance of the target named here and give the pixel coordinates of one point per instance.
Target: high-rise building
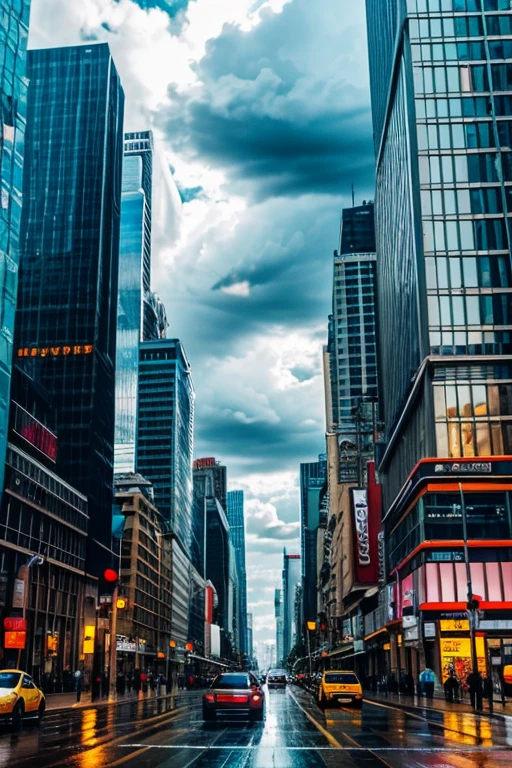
(250, 642)
(67, 298)
(141, 315)
(165, 431)
(211, 474)
(278, 612)
(313, 478)
(352, 363)
(235, 512)
(441, 117)
(13, 83)
(291, 579)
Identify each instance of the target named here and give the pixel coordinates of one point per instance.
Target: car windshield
(9, 679)
(231, 681)
(277, 673)
(342, 677)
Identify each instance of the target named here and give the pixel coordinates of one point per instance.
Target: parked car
(340, 687)
(20, 698)
(234, 693)
(276, 678)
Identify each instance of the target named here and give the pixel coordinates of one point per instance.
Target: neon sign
(61, 351)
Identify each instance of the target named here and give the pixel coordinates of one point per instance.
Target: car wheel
(208, 714)
(40, 712)
(17, 716)
(323, 702)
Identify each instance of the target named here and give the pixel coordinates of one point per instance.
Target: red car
(234, 693)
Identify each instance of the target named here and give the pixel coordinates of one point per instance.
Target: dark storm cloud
(277, 124)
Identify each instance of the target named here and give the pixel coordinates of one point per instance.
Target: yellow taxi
(339, 686)
(20, 698)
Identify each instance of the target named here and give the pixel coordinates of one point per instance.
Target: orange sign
(61, 351)
(15, 639)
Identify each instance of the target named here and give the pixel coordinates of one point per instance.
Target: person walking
(78, 684)
(428, 680)
(488, 692)
(475, 685)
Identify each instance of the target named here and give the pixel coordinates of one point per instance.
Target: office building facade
(278, 613)
(291, 580)
(14, 83)
(165, 431)
(440, 86)
(313, 478)
(141, 314)
(67, 298)
(235, 513)
(352, 357)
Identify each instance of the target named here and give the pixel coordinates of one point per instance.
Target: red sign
(204, 463)
(366, 531)
(14, 624)
(15, 640)
(292, 557)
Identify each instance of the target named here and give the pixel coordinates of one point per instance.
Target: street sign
(18, 598)
(105, 599)
(14, 624)
(15, 640)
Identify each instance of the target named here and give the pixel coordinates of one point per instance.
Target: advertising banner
(456, 655)
(367, 511)
(215, 640)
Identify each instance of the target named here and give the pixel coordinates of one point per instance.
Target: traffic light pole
(472, 613)
(113, 646)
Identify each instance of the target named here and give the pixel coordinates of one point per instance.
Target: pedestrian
(428, 681)
(144, 682)
(449, 687)
(488, 692)
(136, 680)
(475, 685)
(78, 683)
(159, 683)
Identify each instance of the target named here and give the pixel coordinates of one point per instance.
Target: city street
(149, 734)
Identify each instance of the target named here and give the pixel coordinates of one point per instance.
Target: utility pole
(472, 604)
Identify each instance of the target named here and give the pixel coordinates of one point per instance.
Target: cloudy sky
(262, 110)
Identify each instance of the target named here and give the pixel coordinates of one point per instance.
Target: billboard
(204, 463)
(367, 512)
(215, 640)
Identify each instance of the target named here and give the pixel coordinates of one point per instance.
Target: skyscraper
(165, 431)
(278, 612)
(67, 299)
(352, 363)
(291, 579)
(440, 88)
(13, 83)
(313, 478)
(141, 314)
(235, 512)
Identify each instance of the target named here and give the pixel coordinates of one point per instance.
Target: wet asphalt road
(295, 734)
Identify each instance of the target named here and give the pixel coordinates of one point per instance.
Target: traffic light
(121, 603)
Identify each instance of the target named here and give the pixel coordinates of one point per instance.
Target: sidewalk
(56, 701)
(437, 704)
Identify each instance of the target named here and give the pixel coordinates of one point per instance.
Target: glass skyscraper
(440, 80)
(352, 361)
(141, 314)
(13, 83)
(235, 513)
(67, 299)
(165, 431)
(313, 478)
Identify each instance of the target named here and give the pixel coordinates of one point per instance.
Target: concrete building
(235, 513)
(292, 577)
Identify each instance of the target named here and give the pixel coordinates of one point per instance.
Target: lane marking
(131, 756)
(330, 738)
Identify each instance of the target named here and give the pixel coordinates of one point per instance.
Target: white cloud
(237, 289)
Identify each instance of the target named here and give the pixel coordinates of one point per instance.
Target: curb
(421, 708)
(96, 704)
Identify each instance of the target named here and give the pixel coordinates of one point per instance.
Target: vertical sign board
(360, 504)
(18, 598)
(367, 510)
(15, 640)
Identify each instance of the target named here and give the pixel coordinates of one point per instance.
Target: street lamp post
(311, 626)
(472, 608)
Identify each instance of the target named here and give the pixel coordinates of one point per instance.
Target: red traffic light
(189, 647)
(110, 575)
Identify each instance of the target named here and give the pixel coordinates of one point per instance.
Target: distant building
(141, 314)
(13, 83)
(351, 362)
(211, 472)
(165, 431)
(67, 298)
(144, 626)
(250, 642)
(235, 512)
(291, 578)
(278, 612)
(313, 478)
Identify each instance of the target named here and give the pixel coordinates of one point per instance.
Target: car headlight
(7, 702)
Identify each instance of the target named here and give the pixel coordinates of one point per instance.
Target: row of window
(460, 235)
(454, 273)
(441, 78)
(473, 168)
(453, 311)
(456, 6)
(459, 26)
